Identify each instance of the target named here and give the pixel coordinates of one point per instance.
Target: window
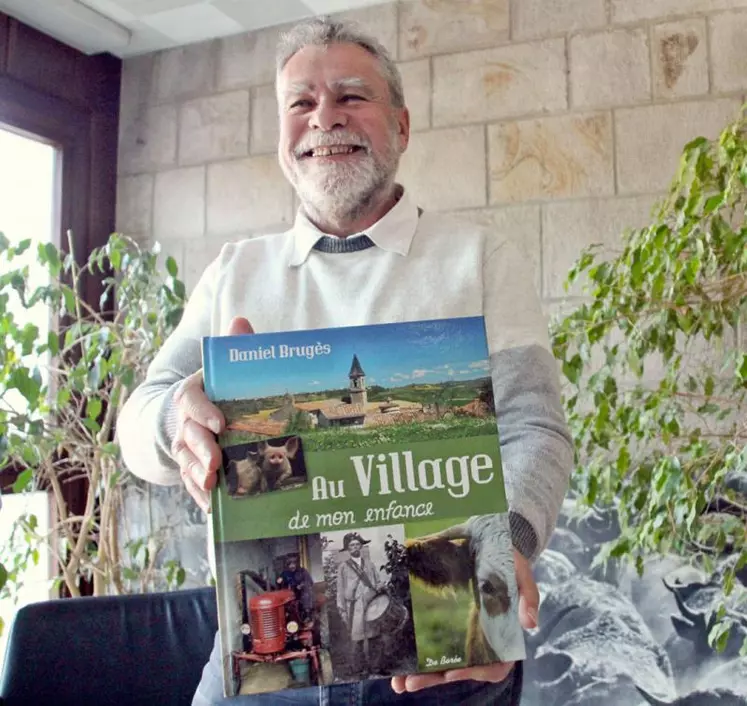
(29, 192)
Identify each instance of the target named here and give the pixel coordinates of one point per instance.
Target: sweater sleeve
(536, 446)
(147, 422)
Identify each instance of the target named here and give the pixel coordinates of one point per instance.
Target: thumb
(239, 325)
(528, 592)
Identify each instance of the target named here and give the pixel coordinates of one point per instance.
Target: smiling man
(361, 252)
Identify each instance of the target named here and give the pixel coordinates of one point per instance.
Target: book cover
(359, 522)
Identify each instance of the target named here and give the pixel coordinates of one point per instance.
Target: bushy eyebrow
(340, 85)
(355, 83)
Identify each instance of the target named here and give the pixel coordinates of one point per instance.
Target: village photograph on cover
(360, 521)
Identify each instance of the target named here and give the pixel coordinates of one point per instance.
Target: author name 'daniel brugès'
(237, 355)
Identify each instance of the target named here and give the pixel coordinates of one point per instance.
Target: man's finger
(398, 685)
(239, 325)
(201, 443)
(416, 682)
(529, 597)
(488, 672)
(194, 404)
(189, 464)
(200, 496)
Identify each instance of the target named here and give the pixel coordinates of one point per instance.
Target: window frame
(58, 95)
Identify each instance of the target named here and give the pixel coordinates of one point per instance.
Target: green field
(440, 624)
(330, 438)
(440, 617)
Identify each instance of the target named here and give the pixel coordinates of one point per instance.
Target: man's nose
(328, 116)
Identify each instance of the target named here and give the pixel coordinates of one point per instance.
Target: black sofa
(110, 651)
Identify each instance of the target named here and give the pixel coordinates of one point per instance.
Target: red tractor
(275, 632)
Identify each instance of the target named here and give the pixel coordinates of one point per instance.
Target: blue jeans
(377, 692)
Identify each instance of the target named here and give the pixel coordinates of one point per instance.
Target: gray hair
(323, 31)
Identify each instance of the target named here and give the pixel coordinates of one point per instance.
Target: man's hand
(528, 606)
(195, 448)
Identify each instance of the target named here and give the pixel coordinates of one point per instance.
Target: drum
(386, 614)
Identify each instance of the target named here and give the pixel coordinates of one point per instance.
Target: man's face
(292, 564)
(340, 136)
(354, 547)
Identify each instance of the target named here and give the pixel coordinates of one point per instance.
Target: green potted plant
(60, 393)
(656, 375)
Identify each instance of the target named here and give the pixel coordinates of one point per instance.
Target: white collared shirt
(393, 232)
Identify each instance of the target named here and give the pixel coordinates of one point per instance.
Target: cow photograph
(464, 592)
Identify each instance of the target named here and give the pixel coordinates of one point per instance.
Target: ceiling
(130, 27)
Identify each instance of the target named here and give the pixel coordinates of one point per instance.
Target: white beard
(340, 191)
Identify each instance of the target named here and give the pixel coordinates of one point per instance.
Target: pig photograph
(264, 466)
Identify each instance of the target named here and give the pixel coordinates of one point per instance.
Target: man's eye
(351, 97)
(301, 103)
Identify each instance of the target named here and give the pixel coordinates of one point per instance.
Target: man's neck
(359, 223)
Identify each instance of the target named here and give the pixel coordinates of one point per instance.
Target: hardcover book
(359, 522)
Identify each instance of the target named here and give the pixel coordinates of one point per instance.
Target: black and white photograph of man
(368, 601)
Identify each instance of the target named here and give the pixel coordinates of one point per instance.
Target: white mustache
(330, 139)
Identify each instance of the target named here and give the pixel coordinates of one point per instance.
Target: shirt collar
(393, 232)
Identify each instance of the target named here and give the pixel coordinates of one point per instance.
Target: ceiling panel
(130, 27)
(193, 23)
(253, 15)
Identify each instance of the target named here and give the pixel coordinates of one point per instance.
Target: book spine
(207, 368)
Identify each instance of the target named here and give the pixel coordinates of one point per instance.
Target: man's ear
(403, 123)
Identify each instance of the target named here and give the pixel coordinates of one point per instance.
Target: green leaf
(28, 384)
(92, 425)
(179, 289)
(171, 266)
(53, 342)
(572, 368)
(708, 388)
(3, 575)
(742, 367)
(53, 258)
(116, 259)
(23, 246)
(634, 361)
(591, 493)
(93, 407)
(69, 297)
(111, 448)
(95, 374)
(621, 548)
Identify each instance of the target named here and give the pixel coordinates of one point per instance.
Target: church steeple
(358, 393)
(356, 371)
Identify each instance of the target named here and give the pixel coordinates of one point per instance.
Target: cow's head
(478, 552)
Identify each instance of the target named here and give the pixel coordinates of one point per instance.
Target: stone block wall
(556, 121)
